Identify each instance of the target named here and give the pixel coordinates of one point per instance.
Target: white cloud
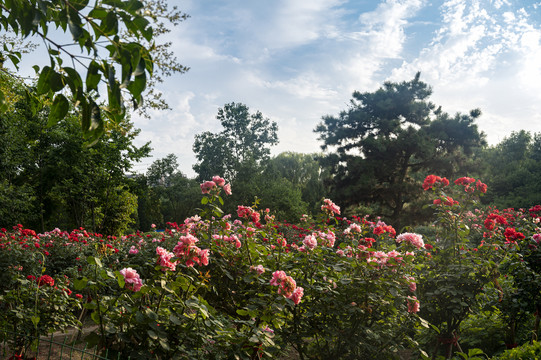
(296, 61)
(299, 22)
(499, 3)
(484, 59)
(304, 86)
(384, 27)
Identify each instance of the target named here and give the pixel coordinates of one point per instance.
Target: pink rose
(413, 304)
(218, 181)
(297, 295)
(310, 242)
(411, 238)
(207, 186)
(132, 279)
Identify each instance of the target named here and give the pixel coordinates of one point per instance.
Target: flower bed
(247, 286)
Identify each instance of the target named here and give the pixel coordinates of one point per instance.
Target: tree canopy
(49, 178)
(513, 170)
(117, 52)
(383, 145)
(240, 148)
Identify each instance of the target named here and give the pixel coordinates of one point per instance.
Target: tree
(302, 171)
(112, 36)
(514, 169)
(240, 149)
(177, 195)
(160, 171)
(51, 179)
(388, 140)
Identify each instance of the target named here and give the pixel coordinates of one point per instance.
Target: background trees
(513, 170)
(176, 195)
(379, 151)
(51, 179)
(239, 152)
(387, 141)
(301, 172)
(241, 149)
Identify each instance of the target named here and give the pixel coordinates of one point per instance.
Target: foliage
(237, 303)
(526, 351)
(111, 36)
(484, 329)
(240, 149)
(177, 194)
(34, 306)
(304, 173)
(245, 285)
(386, 140)
(456, 271)
(50, 178)
(285, 198)
(513, 170)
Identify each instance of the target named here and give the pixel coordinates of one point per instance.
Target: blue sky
(296, 61)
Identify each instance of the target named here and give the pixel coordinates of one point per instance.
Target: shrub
(524, 352)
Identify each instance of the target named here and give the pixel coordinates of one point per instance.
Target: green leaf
(95, 317)
(141, 66)
(73, 79)
(134, 5)
(93, 77)
(164, 344)
(56, 81)
(90, 306)
(475, 351)
(151, 314)
(80, 284)
(35, 320)
(152, 334)
(120, 279)
(97, 13)
(14, 60)
(109, 25)
(424, 323)
(137, 86)
(43, 81)
(135, 57)
(242, 312)
(142, 25)
(91, 122)
(175, 320)
(75, 29)
(79, 4)
(59, 109)
(94, 261)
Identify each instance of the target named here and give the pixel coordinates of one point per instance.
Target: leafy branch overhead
(116, 47)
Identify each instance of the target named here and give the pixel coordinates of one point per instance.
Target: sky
(299, 60)
(296, 61)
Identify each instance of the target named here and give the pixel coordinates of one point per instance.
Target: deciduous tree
(116, 52)
(513, 171)
(240, 149)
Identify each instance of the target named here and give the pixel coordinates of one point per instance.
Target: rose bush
(247, 286)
